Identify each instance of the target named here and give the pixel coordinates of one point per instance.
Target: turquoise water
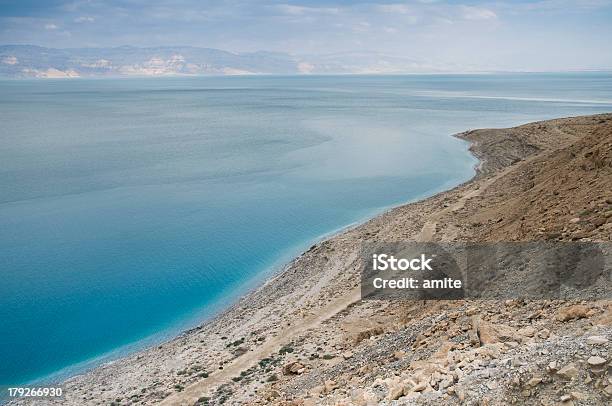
(133, 208)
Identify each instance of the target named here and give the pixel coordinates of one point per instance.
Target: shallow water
(133, 208)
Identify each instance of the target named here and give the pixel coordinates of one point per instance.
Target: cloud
(10, 60)
(394, 8)
(477, 13)
(549, 5)
(291, 9)
(305, 67)
(84, 19)
(51, 26)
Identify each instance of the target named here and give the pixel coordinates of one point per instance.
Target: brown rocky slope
(542, 181)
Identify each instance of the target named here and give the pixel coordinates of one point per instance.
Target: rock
(489, 333)
(572, 312)
(552, 367)
(460, 395)
(565, 398)
(543, 333)
(367, 334)
(535, 381)
(596, 340)
(412, 395)
(419, 387)
(596, 361)
(527, 331)
(395, 391)
(364, 398)
(398, 355)
(293, 368)
(599, 221)
(273, 394)
(608, 390)
(575, 220)
(569, 371)
(330, 386)
(445, 383)
(511, 344)
(347, 355)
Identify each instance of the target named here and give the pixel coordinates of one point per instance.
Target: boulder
(293, 368)
(569, 371)
(596, 361)
(572, 312)
(489, 333)
(330, 386)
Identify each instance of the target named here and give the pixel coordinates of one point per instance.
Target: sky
(499, 35)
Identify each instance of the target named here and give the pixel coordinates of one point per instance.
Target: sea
(133, 209)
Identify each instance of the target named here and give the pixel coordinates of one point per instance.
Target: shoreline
(131, 349)
(107, 359)
(313, 287)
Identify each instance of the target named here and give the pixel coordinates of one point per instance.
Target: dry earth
(306, 338)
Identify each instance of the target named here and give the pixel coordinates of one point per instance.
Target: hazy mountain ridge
(34, 61)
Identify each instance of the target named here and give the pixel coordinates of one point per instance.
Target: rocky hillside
(550, 180)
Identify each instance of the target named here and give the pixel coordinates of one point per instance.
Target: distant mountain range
(35, 61)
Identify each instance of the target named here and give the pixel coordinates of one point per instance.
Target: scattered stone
(460, 395)
(330, 386)
(398, 355)
(544, 333)
(293, 368)
(493, 333)
(597, 340)
(419, 387)
(569, 371)
(535, 381)
(599, 221)
(367, 334)
(395, 391)
(572, 312)
(596, 361)
(527, 331)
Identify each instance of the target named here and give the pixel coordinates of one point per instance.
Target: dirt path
(429, 228)
(478, 188)
(194, 392)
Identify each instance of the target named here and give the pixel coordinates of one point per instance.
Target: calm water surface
(131, 209)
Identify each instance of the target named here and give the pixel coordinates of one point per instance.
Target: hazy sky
(524, 34)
